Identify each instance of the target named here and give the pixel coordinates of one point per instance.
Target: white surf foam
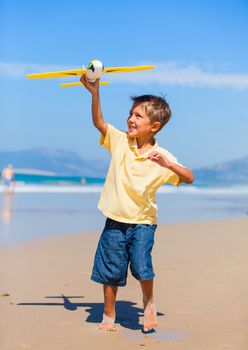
(20, 188)
(24, 188)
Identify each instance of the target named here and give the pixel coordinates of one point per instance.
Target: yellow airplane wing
(63, 73)
(75, 72)
(80, 84)
(126, 69)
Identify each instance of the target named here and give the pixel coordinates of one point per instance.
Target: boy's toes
(150, 317)
(149, 327)
(107, 327)
(108, 324)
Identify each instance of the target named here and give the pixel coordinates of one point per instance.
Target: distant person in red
(8, 179)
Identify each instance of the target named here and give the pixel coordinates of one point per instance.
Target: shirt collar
(134, 147)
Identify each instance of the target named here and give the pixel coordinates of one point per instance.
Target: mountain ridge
(57, 162)
(44, 161)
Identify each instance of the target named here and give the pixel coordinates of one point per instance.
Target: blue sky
(200, 49)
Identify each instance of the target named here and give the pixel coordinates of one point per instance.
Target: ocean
(51, 205)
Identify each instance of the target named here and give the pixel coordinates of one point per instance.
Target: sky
(200, 50)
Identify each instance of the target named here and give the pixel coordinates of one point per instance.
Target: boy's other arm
(185, 175)
(97, 117)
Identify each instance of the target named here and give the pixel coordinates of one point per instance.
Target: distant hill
(234, 172)
(59, 162)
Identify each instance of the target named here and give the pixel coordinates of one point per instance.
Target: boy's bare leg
(150, 313)
(108, 322)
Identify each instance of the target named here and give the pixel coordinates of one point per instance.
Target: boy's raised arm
(97, 117)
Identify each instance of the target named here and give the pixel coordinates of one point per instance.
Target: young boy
(137, 169)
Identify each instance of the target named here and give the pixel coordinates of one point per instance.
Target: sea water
(40, 210)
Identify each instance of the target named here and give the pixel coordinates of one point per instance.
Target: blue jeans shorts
(119, 245)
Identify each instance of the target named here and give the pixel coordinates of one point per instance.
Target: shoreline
(227, 189)
(26, 216)
(96, 233)
(200, 292)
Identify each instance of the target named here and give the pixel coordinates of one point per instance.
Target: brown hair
(156, 108)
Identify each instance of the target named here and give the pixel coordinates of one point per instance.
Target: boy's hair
(156, 108)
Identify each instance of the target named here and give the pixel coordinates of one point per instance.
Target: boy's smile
(138, 122)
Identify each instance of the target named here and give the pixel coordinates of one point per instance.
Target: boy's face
(139, 124)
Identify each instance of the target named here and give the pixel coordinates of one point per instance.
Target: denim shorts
(119, 245)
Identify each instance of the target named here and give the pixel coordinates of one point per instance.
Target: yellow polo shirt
(128, 194)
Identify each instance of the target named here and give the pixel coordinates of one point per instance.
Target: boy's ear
(155, 126)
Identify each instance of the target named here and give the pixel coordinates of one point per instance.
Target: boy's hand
(92, 87)
(160, 159)
(184, 174)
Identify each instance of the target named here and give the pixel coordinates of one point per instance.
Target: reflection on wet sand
(7, 208)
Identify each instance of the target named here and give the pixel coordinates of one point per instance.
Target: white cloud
(166, 73)
(19, 70)
(174, 73)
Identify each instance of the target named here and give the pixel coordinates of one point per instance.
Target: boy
(138, 168)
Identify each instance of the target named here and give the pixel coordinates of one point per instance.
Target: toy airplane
(94, 71)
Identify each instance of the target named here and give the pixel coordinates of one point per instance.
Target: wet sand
(48, 301)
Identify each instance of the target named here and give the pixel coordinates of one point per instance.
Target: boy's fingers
(152, 155)
(82, 79)
(153, 158)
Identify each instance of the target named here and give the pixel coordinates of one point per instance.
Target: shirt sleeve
(172, 178)
(169, 176)
(112, 138)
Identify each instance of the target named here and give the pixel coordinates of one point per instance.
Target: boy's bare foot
(108, 324)
(150, 316)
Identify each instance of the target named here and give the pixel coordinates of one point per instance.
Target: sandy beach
(48, 301)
